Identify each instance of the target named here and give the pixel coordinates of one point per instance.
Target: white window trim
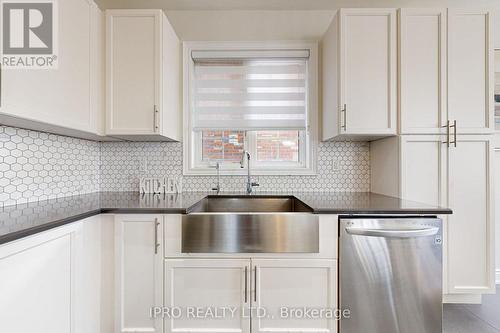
(189, 151)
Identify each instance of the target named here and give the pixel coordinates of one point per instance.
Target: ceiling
(287, 4)
(243, 20)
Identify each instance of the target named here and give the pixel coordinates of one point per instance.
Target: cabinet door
(59, 96)
(38, 279)
(208, 284)
(470, 70)
(368, 61)
(138, 272)
(497, 211)
(423, 169)
(133, 45)
(98, 70)
(422, 42)
(470, 248)
(423, 176)
(293, 284)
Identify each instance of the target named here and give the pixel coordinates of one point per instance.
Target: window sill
(253, 172)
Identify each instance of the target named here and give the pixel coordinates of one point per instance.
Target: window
(223, 146)
(278, 146)
(254, 99)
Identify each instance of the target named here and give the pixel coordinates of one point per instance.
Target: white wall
(250, 25)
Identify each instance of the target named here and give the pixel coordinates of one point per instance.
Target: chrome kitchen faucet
(217, 187)
(250, 184)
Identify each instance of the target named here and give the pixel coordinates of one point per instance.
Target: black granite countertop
(27, 219)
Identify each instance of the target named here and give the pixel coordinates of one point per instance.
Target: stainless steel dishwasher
(391, 275)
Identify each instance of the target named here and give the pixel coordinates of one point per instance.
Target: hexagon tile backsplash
(37, 166)
(123, 163)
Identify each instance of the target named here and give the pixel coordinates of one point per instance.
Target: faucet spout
(217, 187)
(244, 155)
(250, 185)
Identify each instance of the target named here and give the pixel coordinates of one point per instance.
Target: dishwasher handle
(400, 233)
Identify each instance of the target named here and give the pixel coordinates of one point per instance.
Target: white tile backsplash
(123, 163)
(37, 166)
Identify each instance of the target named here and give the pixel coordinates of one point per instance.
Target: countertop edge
(107, 208)
(143, 211)
(74, 218)
(46, 226)
(320, 211)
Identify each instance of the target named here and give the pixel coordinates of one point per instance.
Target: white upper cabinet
(422, 42)
(368, 70)
(470, 70)
(60, 100)
(359, 74)
(98, 70)
(143, 76)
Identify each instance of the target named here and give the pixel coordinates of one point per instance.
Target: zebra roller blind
(249, 90)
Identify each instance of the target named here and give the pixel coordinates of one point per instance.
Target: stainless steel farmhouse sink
(250, 204)
(250, 224)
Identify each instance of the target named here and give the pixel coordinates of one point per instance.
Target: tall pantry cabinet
(444, 154)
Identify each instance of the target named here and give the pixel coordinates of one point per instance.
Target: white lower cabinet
(285, 287)
(38, 283)
(207, 284)
(458, 177)
(65, 281)
(470, 196)
(51, 282)
(266, 295)
(138, 272)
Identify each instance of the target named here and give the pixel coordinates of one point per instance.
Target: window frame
(192, 164)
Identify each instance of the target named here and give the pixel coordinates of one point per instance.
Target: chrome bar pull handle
(403, 233)
(454, 133)
(447, 133)
(157, 245)
(155, 119)
(246, 284)
(255, 285)
(344, 111)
